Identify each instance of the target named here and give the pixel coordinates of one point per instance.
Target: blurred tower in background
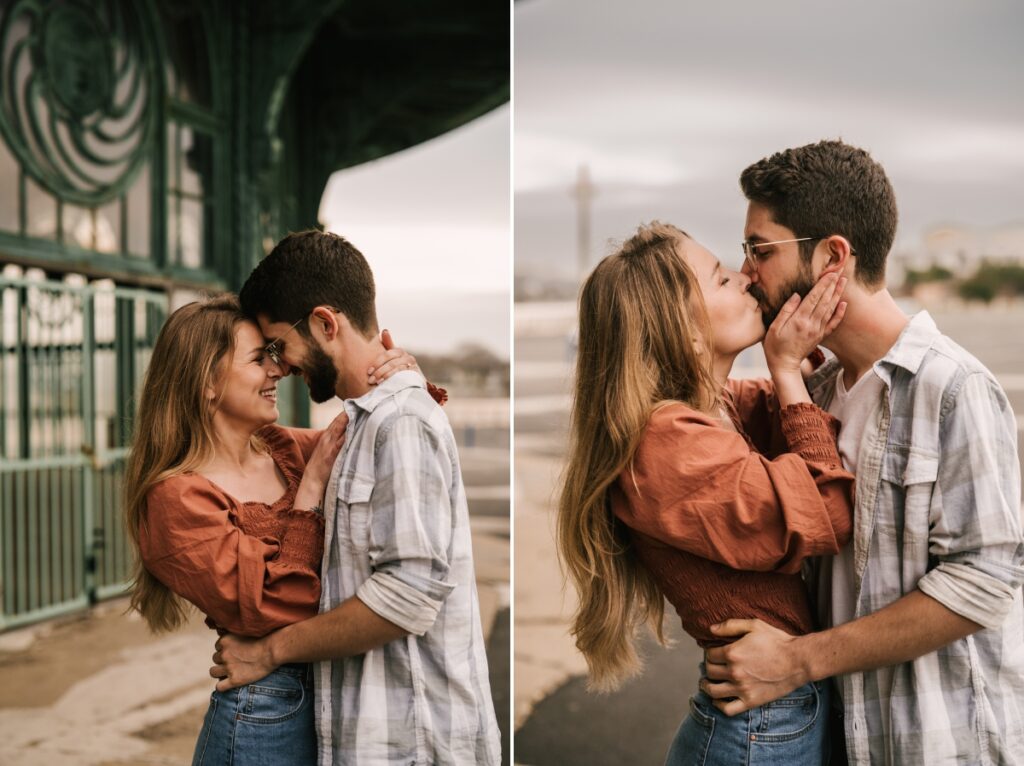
(584, 192)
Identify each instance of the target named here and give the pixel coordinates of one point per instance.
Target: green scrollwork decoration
(79, 106)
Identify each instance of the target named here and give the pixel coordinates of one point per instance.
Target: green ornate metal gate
(71, 360)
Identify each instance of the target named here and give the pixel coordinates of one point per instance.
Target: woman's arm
(247, 585)
(699, 487)
(305, 438)
(757, 409)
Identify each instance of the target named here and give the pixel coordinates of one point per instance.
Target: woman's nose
(748, 271)
(278, 369)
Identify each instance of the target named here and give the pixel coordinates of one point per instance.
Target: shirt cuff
(970, 593)
(811, 433)
(401, 603)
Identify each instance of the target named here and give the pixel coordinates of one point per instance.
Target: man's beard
(321, 374)
(801, 284)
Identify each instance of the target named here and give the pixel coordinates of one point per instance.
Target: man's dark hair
(309, 269)
(829, 188)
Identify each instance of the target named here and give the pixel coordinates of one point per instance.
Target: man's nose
(748, 271)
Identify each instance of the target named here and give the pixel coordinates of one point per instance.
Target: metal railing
(71, 361)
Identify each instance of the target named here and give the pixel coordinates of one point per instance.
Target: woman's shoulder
(293, 444)
(181, 510)
(185, 489)
(671, 416)
(745, 387)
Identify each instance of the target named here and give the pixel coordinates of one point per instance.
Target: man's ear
(325, 322)
(837, 254)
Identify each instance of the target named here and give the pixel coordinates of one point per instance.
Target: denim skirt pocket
(273, 699)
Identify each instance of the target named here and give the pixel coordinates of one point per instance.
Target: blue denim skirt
(791, 731)
(264, 723)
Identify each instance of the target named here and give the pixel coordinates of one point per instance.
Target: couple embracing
(843, 540)
(336, 565)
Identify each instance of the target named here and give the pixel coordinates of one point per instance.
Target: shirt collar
(377, 394)
(914, 342)
(907, 352)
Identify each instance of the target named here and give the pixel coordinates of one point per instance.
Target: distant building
(151, 150)
(960, 249)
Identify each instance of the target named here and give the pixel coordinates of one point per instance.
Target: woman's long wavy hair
(641, 321)
(173, 429)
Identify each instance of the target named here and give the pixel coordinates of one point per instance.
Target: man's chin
(319, 397)
(320, 389)
(768, 314)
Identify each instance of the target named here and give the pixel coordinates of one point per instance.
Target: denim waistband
(298, 669)
(800, 691)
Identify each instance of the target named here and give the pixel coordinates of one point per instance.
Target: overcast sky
(433, 221)
(667, 102)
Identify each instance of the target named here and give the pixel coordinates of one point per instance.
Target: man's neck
(872, 324)
(353, 375)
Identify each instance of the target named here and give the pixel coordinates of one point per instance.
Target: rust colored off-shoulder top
(723, 520)
(249, 566)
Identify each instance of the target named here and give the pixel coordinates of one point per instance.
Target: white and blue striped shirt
(937, 510)
(398, 538)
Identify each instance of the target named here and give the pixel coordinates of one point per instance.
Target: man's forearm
(907, 629)
(350, 629)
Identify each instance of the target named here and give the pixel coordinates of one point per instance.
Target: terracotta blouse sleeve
(306, 438)
(756, 404)
(757, 408)
(700, 487)
(246, 585)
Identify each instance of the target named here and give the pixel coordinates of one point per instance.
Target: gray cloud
(667, 102)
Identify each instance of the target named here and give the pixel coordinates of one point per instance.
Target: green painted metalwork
(88, 130)
(78, 353)
(167, 144)
(79, 105)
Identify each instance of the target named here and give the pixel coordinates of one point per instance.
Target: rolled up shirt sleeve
(411, 526)
(974, 514)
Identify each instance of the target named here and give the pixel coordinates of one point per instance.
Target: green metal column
(88, 409)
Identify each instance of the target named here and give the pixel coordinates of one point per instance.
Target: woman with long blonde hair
(223, 507)
(684, 485)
